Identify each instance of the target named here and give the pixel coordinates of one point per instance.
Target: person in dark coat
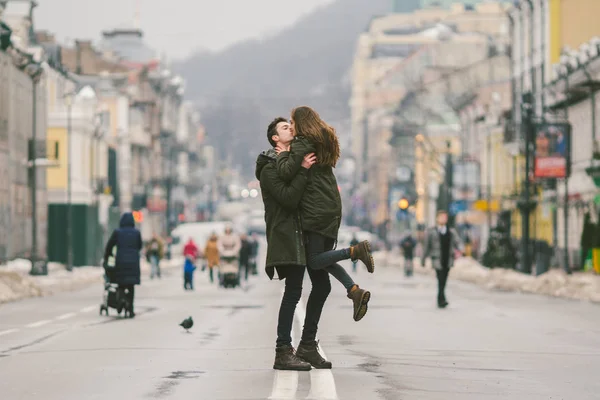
(128, 241)
(245, 254)
(408, 245)
(286, 254)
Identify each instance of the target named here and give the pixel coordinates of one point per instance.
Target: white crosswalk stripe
(322, 382)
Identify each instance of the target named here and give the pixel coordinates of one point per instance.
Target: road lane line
(88, 309)
(6, 332)
(38, 323)
(322, 383)
(285, 385)
(65, 316)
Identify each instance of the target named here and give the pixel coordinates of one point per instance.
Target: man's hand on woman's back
(309, 160)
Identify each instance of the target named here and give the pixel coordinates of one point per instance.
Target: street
(486, 345)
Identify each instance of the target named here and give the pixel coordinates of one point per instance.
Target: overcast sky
(176, 27)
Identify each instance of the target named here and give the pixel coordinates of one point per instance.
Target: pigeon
(187, 324)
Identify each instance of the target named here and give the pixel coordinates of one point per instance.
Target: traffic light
(403, 204)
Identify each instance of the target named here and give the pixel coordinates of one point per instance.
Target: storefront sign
(552, 150)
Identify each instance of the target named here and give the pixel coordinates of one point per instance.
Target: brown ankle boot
(309, 352)
(360, 298)
(362, 252)
(286, 359)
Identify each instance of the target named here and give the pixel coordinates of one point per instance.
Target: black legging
(321, 256)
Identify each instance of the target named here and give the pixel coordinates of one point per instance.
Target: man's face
(284, 133)
(442, 219)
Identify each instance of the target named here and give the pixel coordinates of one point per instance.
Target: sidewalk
(17, 284)
(556, 283)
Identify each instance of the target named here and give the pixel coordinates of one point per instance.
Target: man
(254, 253)
(245, 253)
(440, 244)
(408, 245)
(286, 254)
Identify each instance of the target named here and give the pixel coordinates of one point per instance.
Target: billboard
(552, 150)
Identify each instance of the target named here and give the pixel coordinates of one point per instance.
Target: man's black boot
(309, 352)
(286, 359)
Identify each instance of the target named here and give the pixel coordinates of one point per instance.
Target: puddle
(170, 382)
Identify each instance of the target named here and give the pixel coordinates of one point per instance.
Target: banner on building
(552, 150)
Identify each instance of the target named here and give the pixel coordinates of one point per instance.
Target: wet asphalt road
(484, 346)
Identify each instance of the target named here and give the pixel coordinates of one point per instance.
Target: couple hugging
(303, 211)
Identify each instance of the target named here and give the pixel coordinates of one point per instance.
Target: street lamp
(69, 100)
(69, 97)
(34, 71)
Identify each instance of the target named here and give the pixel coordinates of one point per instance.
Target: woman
(128, 241)
(211, 253)
(321, 204)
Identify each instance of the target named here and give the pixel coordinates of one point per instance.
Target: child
(188, 274)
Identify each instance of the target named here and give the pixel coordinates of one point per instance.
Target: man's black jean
(442, 277)
(321, 287)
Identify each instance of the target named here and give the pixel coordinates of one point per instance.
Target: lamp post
(69, 100)
(34, 70)
(33, 270)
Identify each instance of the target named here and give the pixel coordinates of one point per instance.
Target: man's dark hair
(272, 129)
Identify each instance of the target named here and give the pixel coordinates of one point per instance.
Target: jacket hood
(263, 159)
(127, 221)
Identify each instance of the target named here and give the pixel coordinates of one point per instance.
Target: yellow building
(572, 23)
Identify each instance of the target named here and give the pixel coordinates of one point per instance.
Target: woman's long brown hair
(309, 124)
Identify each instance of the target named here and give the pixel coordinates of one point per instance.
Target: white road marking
(6, 332)
(38, 323)
(65, 316)
(87, 309)
(285, 385)
(322, 383)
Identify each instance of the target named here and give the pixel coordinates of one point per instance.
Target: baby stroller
(229, 272)
(115, 297)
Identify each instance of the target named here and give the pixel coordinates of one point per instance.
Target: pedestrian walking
(321, 204)
(154, 253)
(128, 241)
(286, 252)
(245, 254)
(191, 250)
(211, 254)
(408, 245)
(354, 242)
(254, 254)
(441, 244)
